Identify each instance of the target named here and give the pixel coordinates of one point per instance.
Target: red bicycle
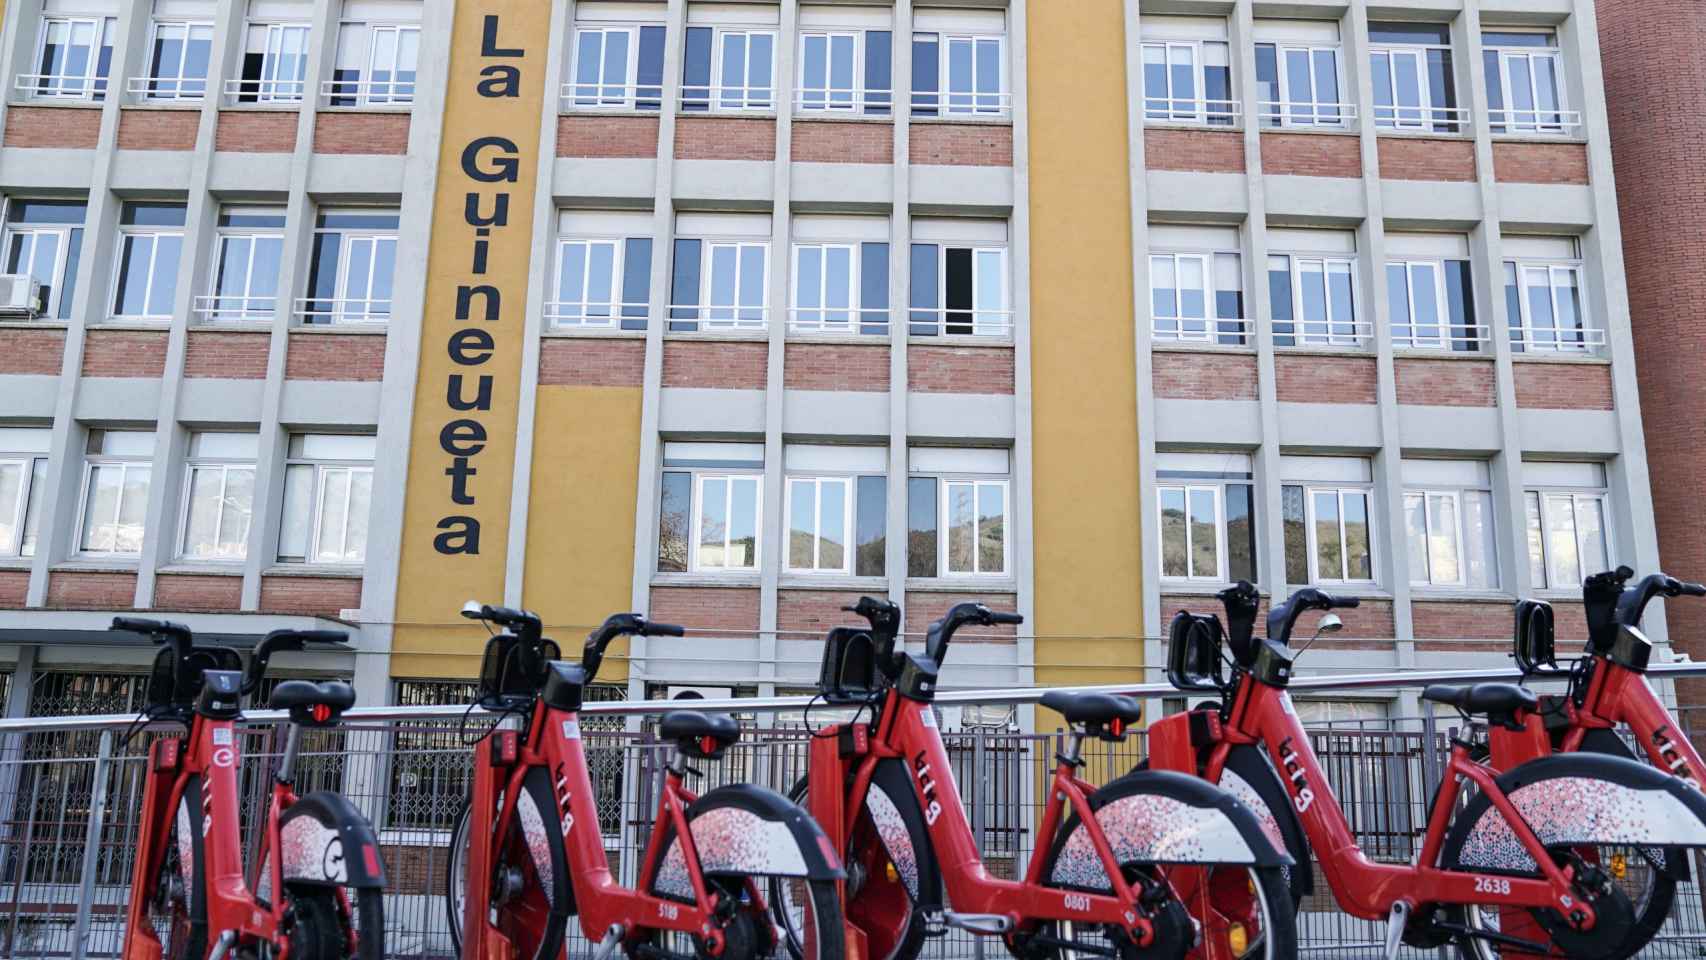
(1517, 868)
(1122, 864)
(527, 852)
(189, 876)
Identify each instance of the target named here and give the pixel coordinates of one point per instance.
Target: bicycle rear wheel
(532, 900)
(178, 904)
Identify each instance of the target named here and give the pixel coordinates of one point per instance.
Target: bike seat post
(1071, 756)
(292, 746)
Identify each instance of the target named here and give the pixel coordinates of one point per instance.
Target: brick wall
(961, 144)
(91, 590)
(725, 138)
(1541, 162)
(63, 127)
(1570, 625)
(588, 362)
(184, 592)
(809, 614)
(706, 608)
(310, 596)
(332, 356)
(158, 129)
(1563, 386)
(959, 369)
(602, 136)
(1414, 158)
(1372, 621)
(227, 355)
(1490, 621)
(14, 588)
(1194, 151)
(836, 366)
(734, 365)
(829, 141)
(1311, 155)
(361, 133)
(1204, 376)
(1445, 383)
(924, 607)
(31, 351)
(255, 131)
(124, 353)
(1306, 379)
(1196, 603)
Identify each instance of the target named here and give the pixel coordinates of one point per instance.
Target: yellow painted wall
(1088, 554)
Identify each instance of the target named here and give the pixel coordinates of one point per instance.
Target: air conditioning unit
(20, 296)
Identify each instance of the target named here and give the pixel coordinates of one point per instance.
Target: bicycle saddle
(313, 704)
(1104, 714)
(701, 735)
(1499, 701)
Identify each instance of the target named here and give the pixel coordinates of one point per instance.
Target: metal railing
(367, 93)
(276, 90)
(1426, 119)
(1541, 122)
(158, 89)
(345, 310)
(229, 308)
(1304, 113)
(59, 86)
(597, 95)
(1214, 113)
(1218, 330)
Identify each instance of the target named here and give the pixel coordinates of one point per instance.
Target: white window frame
(823, 324)
(1460, 540)
(270, 88)
(366, 92)
(558, 311)
(212, 309)
(91, 464)
(1187, 488)
(694, 564)
(344, 309)
(1327, 262)
(945, 484)
(127, 234)
(1198, 109)
(1443, 341)
(1432, 116)
(707, 259)
(1213, 324)
(985, 321)
(1285, 109)
(830, 96)
(972, 102)
(1507, 120)
(59, 86)
(1540, 497)
(1590, 337)
(849, 487)
(150, 85)
(26, 464)
(1310, 491)
(225, 466)
(62, 253)
(323, 470)
(743, 98)
(600, 98)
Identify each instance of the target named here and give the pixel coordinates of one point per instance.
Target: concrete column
(900, 298)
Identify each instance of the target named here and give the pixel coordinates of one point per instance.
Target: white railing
(722, 317)
(845, 320)
(959, 323)
(342, 310)
(594, 315)
(1178, 110)
(225, 308)
(265, 91)
(961, 104)
(1539, 122)
(56, 86)
(166, 88)
(843, 100)
(1305, 334)
(1558, 339)
(1292, 113)
(1198, 330)
(1447, 337)
(610, 96)
(1430, 119)
(367, 93)
(700, 98)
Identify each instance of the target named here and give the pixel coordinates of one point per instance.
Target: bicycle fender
(1577, 798)
(899, 819)
(746, 830)
(1157, 816)
(1251, 779)
(1604, 741)
(324, 840)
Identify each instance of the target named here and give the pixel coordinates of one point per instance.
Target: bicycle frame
(1617, 694)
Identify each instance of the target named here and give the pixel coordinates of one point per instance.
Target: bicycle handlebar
(1609, 603)
(941, 632)
(283, 641)
(1284, 616)
(618, 625)
(1241, 601)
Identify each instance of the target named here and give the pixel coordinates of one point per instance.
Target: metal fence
(69, 801)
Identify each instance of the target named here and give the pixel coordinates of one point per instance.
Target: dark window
(249, 91)
(873, 288)
(1427, 33)
(1240, 532)
(926, 299)
(696, 69)
(648, 77)
(48, 211)
(1513, 308)
(1279, 296)
(921, 527)
(957, 279)
(879, 71)
(675, 513)
(1267, 81)
(1296, 525)
(684, 287)
(870, 511)
(152, 215)
(1492, 38)
(1460, 303)
(636, 282)
(926, 79)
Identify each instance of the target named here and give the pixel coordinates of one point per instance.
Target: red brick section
(1204, 376)
(706, 608)
(1489, 622)
(725, 138)
(71, 128)
(1311, 155)
(961, 144)
(124, 353)
(1413, 158)
(332, 356)
(1324, 379)
(578, 362)
(828, 141)
(31, 351)
(836, 366)
(1541, 162)
(14, 588)
(310, 596)
(736, 365)
(1194, 151)
(1372, 621)
(809, 614)
(959, 369)
(593, 136)
(255, 131)
(227, 355)
(1195, 603)
(361, 133)
(1563, 386)
(1570, 625)
(197, 592)
(91, 590)
(924, 607)
(158, 129)
(1445, 383)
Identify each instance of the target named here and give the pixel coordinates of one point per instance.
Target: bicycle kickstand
(607, 947)
(1395, 928)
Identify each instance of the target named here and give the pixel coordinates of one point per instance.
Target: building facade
(348, 311)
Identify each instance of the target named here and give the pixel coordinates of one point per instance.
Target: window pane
(32, 510)
(1182, 67)
(1380, 64)
(673, 517)
(235, 512)
(1343, 304)
(1267, 82)
(1569, 306)
(1398, 302)
(1298, 85)
(133, 510)
(752, 291)
(1156, 100)
(832, 525)
(1327, 84)
(1240, 533)
(926, 295)
(1442, 539)
(958, 284)
(759, 59)
(926, 74)
(1590, 524)
(1407, 79)
(1229, 293)
(962, 527)
(100, 507)
(334, 515)
(130, 300)
(649, 73)
(1480, 550)
(1329, 552)
(870, 518)
(841, 70)
(874, 287)
(1193, 303)
(1544, 326)
(360, 498)
(802, 525)
(1312, 284)
(814, 55)
(991, 528)
(1424, 282)
(1359, 553)
(1205, 545)
(991, 293)
(959, 76)
(636, 282)
(1279, 298)
(733, 79)
(696, 70)
(743, 522)
(713, 522)
(921, 528)
(1536, 542)
(202, 527)
(1416, 536)
(1163, 290)
(165, 281)
(1563, 567)
(1173, 544)
(11, 492)
(298, 507)
(600, 280)
(1296, 535)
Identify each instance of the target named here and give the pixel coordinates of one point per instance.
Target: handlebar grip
(1692, 589)
(322, 636)
(663, 630)
(139, 625)
(501, 615)
(1006, 618)
(1343, 602)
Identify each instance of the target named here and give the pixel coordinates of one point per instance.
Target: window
(837, 510)
(1569, 536)
(957, 513)
(959, 279)
(349, 278)
(219, 496)
(1525, 92)
(115, 492)
(959, 64)
(1448, 524)
(44, 239)
(841, 275)
(23, 478)
(710, 507)
(177, 59)
(151, 240)
(1328, 532)
(275, 64)
(248, 246)
(1413, 86)
(1206, 508)
(1430, 293)
(377, 59)
(845, 70)
(1196, 284)
(328, 489)
(617, 66)
(1298, 79)
(728, 68)
(73, 57)
(1313, 289)
(603, 271)
(721, 272)
(1187, 71)
(1543, 296)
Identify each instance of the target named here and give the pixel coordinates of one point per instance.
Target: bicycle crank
(1614, 917)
